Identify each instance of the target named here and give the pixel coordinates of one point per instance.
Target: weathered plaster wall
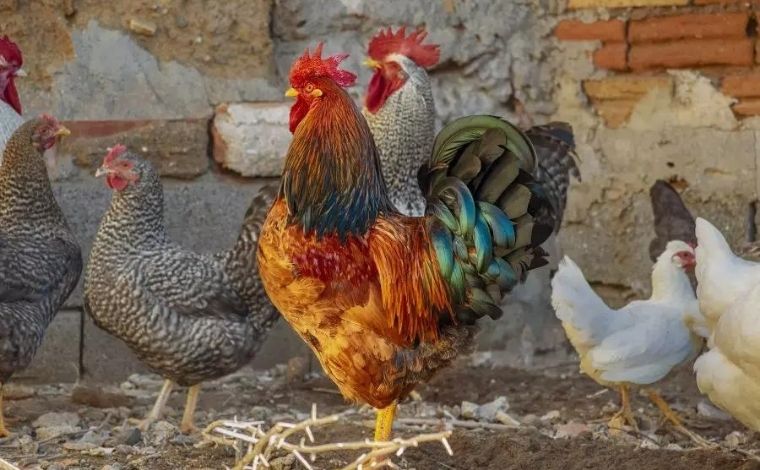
(197, 87)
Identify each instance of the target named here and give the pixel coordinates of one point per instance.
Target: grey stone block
(252, 138)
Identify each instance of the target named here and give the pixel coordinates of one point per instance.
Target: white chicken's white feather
(729, 373)
(722, 276)
(639, 343)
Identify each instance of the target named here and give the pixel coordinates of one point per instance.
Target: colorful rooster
(386, 300)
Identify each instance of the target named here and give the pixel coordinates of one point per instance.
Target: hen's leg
(3, 430)
(188, 426)
(384, 422)
(672, 416)
(625, 415)
(158, 407)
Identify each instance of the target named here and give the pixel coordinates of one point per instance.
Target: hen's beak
(291, 93)
(62, 132)
(102, 171)
(372, 63)
(20, 73)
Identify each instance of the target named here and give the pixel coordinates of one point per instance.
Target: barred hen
(189, 317)
(40, 260)
(10, 105)
(400, 110)
(386, 300)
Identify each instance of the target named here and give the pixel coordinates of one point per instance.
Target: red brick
(699, 26)
(611, 56)
(575, 30)
(691, 53)
(747, 107)
(741, 85)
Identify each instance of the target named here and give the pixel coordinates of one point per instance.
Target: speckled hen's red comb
(10, 52)
(387, 42)
(115, 152)
(311, 66)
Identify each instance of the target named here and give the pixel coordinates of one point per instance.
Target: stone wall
(197, 87)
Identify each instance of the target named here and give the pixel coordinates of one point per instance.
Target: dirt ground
(560, 423)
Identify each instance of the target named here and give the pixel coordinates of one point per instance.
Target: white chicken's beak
(20, 73)
(101, 172)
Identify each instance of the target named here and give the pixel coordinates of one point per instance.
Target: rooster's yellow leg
(384, 422)
(672, 416)
(3, 430)
(158, 407)
(188, 426)
(626, 413)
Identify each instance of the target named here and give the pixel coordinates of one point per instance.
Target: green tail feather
(482, 199)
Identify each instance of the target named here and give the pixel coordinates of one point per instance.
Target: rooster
(640, 343)
(187, 316)
(400, 110)
(385, 300)
(40, 260)
(10, 105)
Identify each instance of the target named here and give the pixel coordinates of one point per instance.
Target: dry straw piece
(262, 444)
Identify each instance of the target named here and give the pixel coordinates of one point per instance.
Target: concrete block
(252, 138)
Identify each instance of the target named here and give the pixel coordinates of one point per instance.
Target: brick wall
(644, 38)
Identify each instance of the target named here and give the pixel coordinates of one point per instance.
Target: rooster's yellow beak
(372, 63)
(62, 132)
(291, 93)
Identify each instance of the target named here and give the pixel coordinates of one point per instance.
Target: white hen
(729, 373)
(722, 276)
(639, 343)
(729, 292)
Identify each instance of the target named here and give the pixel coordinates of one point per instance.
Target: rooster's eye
(309, 88)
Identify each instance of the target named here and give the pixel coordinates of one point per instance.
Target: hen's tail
(240, 262)
(556, 162)
(583, 314)
(672, 219)
(482, 203)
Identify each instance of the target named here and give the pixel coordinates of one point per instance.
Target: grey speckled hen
(189, 317)
(40, 260)
(404, 129)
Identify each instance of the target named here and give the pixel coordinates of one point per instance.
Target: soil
(563, 416)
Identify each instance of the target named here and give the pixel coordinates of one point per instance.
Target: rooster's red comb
(10, 53)
(115, 152)
(311, 66)
(387, 42)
